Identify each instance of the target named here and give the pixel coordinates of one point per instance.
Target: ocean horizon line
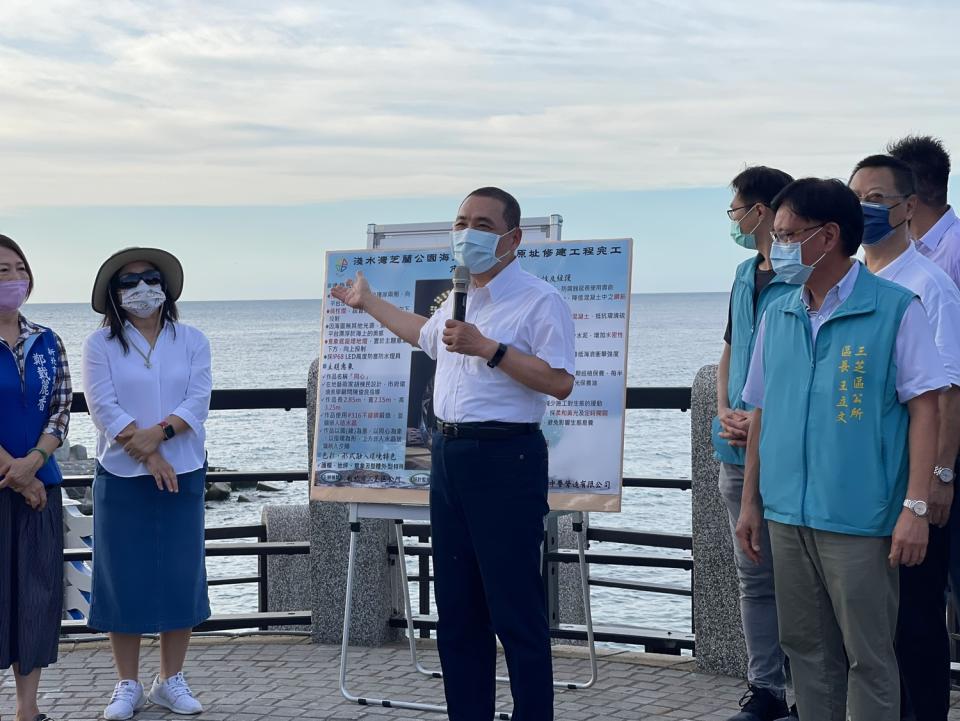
(314, 300)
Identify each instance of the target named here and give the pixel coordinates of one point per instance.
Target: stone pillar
(716, 602)
(374, 589)
(289, 582)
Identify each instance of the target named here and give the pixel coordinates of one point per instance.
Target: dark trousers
(923, 645)
(487, 503)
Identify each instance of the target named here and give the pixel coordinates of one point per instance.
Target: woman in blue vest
(35, 397)
(147, 380)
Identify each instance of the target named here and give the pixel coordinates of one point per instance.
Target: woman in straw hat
(147, 383)
(35, 397)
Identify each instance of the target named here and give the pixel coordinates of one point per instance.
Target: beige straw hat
(163, 261)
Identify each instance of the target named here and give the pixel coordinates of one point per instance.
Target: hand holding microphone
(458, 335)
(461, 279)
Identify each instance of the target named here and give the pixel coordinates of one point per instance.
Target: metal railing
(659, 398)
(263, 619)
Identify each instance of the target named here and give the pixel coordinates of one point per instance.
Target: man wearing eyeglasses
(845, 378)
(886, 188)
(755, 286)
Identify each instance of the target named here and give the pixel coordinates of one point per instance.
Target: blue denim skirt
(148, 554)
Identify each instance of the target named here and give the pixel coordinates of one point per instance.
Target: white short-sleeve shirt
(919, 368)
(515, 308)
(940, 299)
(941, 244)
(120, 389)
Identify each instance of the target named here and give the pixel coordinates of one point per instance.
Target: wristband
(168, 430)
(498, 356)
(43, 454)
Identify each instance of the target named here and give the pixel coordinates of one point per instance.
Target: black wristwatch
(498, 356)
(168, 431)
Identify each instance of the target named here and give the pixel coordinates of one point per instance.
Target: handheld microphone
(461, 278)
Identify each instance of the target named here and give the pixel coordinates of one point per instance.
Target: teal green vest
(744, 320)
(833, 443)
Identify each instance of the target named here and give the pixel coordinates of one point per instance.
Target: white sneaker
(174, 694)
(127, 699)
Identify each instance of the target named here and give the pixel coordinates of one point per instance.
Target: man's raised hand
(354, 292)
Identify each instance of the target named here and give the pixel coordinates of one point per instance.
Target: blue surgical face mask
(786, 261)
(876, 222)
(476, 249)
(744, 240)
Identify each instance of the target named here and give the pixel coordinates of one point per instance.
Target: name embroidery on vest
(853, 369)
(40, 362)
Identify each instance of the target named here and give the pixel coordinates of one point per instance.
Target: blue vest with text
(25, 404)
(833, 442)
(744, 319)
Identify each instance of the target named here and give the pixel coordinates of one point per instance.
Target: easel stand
(399, 514)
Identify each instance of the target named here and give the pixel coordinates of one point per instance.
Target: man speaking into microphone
(488, 490)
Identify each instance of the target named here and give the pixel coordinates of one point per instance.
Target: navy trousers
(487, 503)
(923, 645)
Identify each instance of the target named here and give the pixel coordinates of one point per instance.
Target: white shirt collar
(890, 270)
(841, 290)
(932, 237)
(502, 282)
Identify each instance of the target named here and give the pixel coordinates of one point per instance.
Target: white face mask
(142, 301)
(476, 249)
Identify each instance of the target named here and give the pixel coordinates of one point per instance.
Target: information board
(374, 399)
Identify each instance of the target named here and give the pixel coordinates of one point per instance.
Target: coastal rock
(267, 488)
(78, 453)
(217, 491)
(242, 499)
(62, 454)
(86, 503)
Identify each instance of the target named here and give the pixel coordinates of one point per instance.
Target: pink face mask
(13, 293)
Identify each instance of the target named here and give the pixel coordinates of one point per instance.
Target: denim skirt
(148, 554)
(31, 580)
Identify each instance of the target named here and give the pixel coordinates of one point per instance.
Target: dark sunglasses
(132, 280)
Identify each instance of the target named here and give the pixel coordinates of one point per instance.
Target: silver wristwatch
(945, 475)
(919, 508)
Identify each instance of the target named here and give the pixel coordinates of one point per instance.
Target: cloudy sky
(250, 137)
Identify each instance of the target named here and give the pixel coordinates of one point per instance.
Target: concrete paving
(288, 678)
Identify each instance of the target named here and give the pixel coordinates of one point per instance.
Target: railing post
(263, 598)
(424, 585)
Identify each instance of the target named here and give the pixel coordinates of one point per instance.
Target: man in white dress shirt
(886, 188)
(488, 491)
(935, 229)
(935, 225)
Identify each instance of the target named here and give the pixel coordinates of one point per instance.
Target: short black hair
(825, 201)
(903, 177)
(511, 208)
(931, 165)
(759, 184)
(10, 244)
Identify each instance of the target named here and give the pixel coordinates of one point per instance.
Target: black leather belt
(486, 430)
